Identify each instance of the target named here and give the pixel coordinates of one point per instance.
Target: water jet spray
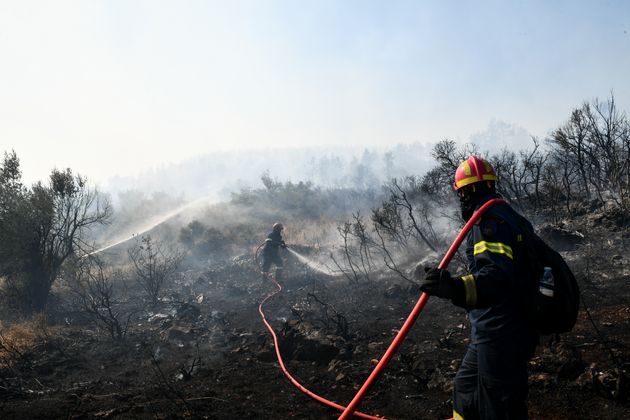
(150, 225)
(317, 266)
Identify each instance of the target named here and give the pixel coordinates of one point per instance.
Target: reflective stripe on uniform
(496, 247)
(457, 416)
(471, 290)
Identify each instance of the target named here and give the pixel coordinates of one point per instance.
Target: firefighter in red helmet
(270, 251)
(491, 382)
(474, 179)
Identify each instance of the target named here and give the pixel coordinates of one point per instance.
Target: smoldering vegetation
(144, 304)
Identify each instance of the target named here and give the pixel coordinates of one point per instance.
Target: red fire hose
(279, 356)
(411, 319)
(398, 340)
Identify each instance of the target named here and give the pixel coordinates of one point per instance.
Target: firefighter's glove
(283, 245)
(437, 282)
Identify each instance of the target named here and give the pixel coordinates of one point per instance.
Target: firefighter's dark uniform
(492, 380)
(271, 254)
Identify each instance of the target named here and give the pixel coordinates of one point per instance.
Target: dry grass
(17, 338)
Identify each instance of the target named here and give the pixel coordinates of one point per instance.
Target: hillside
(203, 351)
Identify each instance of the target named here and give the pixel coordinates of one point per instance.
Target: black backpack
(548, 315)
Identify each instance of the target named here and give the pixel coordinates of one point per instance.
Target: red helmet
(473, 170)
(277, 227)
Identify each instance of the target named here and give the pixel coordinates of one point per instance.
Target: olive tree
(42, 226)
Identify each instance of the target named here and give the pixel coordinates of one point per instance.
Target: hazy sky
(113, 87)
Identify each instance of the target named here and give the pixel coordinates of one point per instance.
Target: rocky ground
(205, 353)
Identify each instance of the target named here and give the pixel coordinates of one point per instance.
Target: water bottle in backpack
(546, 283)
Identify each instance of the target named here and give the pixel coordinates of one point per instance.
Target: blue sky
(115, 87)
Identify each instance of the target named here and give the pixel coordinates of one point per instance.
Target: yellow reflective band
(466, 181)
(457, 416)
(496, 247)
(471, 290)
(472, 179)
(519, 238)
(466, 167)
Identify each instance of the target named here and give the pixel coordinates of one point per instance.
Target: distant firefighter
(270, 252)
